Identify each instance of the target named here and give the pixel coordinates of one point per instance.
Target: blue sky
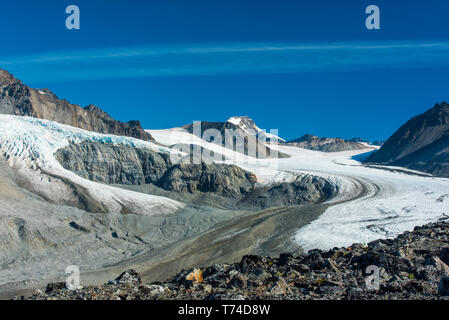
(297, 66)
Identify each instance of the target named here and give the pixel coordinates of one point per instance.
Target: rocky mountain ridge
(19, 99)
(312, 142)
(422, 143)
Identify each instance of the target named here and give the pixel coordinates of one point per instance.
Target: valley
(80, 188)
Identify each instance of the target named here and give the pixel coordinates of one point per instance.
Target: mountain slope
(241, 139)
(19, 99)
(422, 143)
(312, 142)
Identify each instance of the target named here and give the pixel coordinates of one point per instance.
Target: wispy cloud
(224, 58)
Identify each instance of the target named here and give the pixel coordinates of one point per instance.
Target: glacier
(394, 199)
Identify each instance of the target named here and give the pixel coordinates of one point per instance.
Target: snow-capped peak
(247, 124)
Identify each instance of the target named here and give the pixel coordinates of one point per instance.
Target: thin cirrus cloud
(224, 59)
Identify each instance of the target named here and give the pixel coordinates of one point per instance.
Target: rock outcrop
(223, 180)
(306, 189)
(312, 142)
(114, 164)
(21, 100)
(413, 266)
(421, 144)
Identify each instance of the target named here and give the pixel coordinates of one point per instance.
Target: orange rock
(196, 275)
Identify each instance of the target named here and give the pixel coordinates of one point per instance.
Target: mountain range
(313, 142)
(421, 144)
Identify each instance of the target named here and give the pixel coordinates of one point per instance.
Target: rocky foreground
(412, 266)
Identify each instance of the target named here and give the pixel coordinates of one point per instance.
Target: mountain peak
(6, 77)
(441, 107)
(307, 137)
(243, 122)
(443, 104)
(247, 124)
(94, 109)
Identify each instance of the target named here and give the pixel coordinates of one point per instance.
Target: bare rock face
(421, 144)
(129, 277)
(224, 180)
(306, 189)
(312, 142)
(21, 100)
(114, 164)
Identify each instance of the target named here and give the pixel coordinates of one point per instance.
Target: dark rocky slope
(19, 99)
(305, 189)
(421, 144)
(312, 142)
(412, 266)
(221, 179)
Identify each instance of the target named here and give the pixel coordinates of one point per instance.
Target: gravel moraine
(412, 266)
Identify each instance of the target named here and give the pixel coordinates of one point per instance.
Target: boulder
(129, 276)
